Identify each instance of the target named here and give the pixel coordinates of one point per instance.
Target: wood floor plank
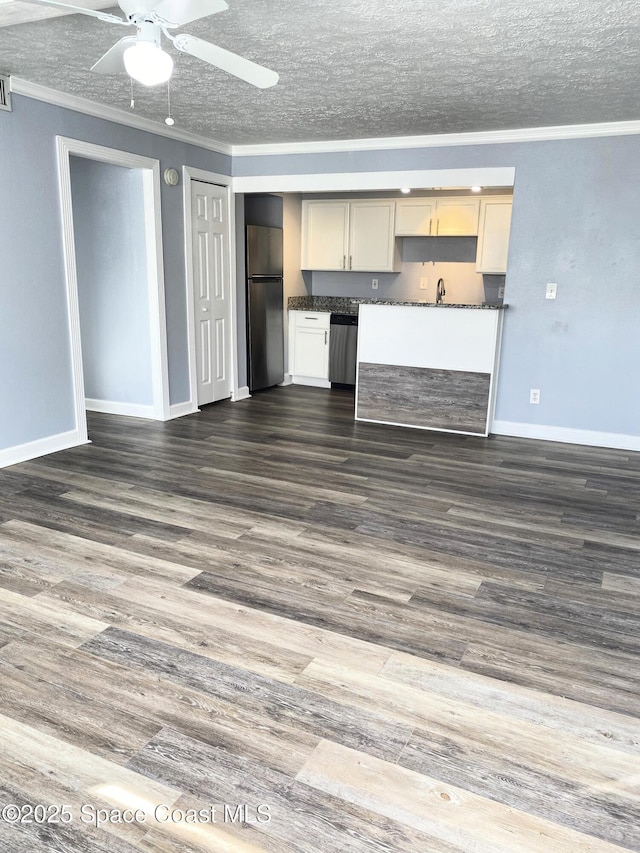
(32, 837)
(57, 766)
(452, 814)
(60, 549)
(309, 711)
(621, 583)
(181, 627)
(599, 678)
(49, 619)
(300, 819)
(367, 617)
(260, 627)
(156, 702)
(73, 715)
(565, 716)
(454, 742)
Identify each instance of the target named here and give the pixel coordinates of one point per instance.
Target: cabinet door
(413, 217)
(325, 228)
(371, 239)
(456, 217)
(311, 353)
(493, 235)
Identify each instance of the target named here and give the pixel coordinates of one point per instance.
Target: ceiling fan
(142, 56)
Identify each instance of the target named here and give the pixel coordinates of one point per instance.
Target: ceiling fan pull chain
(169, 120)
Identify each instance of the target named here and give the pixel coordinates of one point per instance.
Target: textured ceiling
(364, 68)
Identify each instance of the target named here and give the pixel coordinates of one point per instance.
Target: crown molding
(489, 137)
(82, 105)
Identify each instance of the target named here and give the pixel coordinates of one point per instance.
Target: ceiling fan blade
(240, 67)
(94, 13)
(178, 12)
(113, 60)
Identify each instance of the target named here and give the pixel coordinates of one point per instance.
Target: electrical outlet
(534, 396)
(374, 283)
(552, 289)
(501, 293)
(424, 283)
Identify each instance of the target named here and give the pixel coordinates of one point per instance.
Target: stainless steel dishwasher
(343, 343)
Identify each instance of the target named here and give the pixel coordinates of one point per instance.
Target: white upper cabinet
(325, 235)
(493, 234)
(457, 217)
(349, 235)
(437, 217)
(414, 217)
(371, 237)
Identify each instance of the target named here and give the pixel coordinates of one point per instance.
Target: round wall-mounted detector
(171, 177)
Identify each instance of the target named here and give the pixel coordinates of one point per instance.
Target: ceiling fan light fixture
(147, 63)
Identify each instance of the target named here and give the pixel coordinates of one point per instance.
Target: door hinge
(5, 93)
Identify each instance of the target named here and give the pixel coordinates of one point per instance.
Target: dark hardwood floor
(379, 639)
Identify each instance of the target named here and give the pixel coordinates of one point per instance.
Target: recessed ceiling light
(476, 189)
(405, 190)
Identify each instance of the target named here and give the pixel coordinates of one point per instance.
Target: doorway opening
(115, 281)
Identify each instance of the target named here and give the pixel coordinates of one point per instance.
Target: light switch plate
(424, 283)
(552, 289)
(374, 283)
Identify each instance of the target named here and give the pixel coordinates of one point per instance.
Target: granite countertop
(344, 305)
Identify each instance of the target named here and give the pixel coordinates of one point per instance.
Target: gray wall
(108, 219)
(575, 222)
(35, 363)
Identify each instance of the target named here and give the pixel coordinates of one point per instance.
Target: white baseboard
(592, 438)
(288, 380)
(241, 394)
(131, 410)
(178, 410)
(40, 447)
(308, 380)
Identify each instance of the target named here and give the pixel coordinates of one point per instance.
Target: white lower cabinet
(309, 347)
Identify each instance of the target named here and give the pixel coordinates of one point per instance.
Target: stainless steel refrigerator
(265, 317)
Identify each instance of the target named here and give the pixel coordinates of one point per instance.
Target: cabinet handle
(310, 318)
(437, 226)
(349, 261)
(325, 338)
(430, 221)
(344, 261)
